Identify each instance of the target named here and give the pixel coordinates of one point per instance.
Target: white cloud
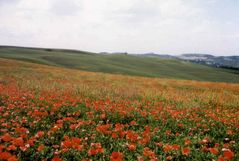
(65, 7)
(175, 26)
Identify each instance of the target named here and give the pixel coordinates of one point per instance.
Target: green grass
(120, 64)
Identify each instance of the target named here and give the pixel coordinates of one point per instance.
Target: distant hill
(195, 57)
(155, 55)
(149, 66)
(230, 62)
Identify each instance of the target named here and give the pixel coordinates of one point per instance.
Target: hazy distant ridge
(206, 59)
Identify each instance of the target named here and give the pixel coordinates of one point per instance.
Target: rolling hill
(120, 64)
(228, 62)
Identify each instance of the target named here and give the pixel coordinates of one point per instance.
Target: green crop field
(120, 64)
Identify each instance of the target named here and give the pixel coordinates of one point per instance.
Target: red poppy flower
(7, 137)
(13, 158)
(92, 152)
(213, 151)
(116, 156)
(187, 141)
(132, 147)
(56, 159)
(114, 135)
(221, 158)
(5, 155)
(11, 147)
(133, 122)
(186, 151)
(95, 149)
(40, 148)
(228, 154)
(18, 142)
(40, 134)
(167, 148)
(175, 147)
(149, 153)
(103, 116)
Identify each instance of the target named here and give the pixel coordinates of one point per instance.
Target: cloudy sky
(135, 26)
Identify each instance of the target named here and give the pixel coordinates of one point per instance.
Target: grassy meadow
(55, 113)
(120, 64)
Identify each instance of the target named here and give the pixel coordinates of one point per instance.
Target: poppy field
(52, 113)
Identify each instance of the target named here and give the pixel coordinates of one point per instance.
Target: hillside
(216, 61)
(120, 64)
(57, 114)
(226, 62)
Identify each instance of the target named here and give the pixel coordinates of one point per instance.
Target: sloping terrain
(226, 62)
(120, 64)
(58, 114)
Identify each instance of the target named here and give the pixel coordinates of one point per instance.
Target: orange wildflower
(40, 148)
(175, 147)
(186, 151)
(228, 154)
(114, 135)
(18, 142)
(13, 158)
(140, 158)
(132, 147)
(76, 140)
(11, 147)
(92, 152)
(132, 136)
(66, 144)
(7, 137)
(167, 148)
(133, 122)
(221, 158)
(116, 156)
(103, 128)
(187, 141)
(40, 134)
(56, 159)
(2, 147)
(103, 116)
(95, 149)
(167, 132)
(5, 155)
(169, 158)
(213, 151)
(149, 153)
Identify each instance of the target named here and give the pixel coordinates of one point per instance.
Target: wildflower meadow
(52, 113)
